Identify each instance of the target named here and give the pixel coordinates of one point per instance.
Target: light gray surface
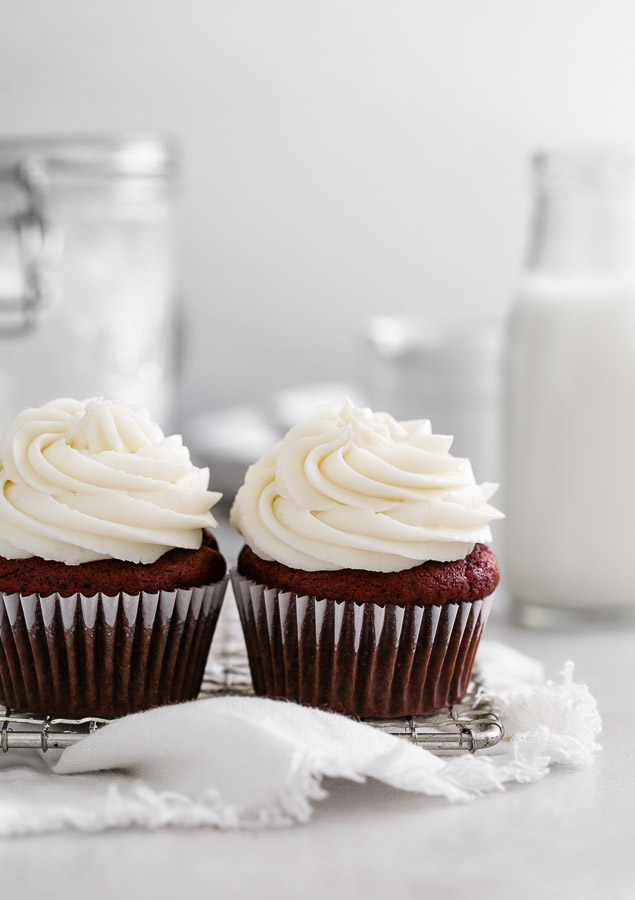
(569, 835)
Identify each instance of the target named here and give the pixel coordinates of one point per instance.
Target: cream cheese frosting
(92, 479)
(356, 489)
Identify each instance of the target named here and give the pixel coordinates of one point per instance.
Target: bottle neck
(578, 235)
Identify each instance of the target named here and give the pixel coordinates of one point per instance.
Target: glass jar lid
(71, 157)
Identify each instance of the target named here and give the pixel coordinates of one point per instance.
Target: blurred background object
(571, 395)
(445, 370)
(87, 275)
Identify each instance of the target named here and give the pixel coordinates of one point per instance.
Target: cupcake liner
(105, 656)
(362, 659)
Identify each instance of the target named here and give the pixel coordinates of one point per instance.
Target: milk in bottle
(570, 416)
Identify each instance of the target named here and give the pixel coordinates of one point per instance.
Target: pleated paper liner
(363, 659)
(105, 656)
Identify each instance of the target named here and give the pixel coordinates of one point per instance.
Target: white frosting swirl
(357, 490)
(87, 480)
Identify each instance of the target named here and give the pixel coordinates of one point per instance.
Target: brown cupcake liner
(105, 656)
(362, 660)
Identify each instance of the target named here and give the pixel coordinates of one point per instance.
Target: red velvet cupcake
(364, 584)
(110, 582)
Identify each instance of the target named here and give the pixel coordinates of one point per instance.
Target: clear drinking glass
(448, 371)
(87, 271)
(570, 422)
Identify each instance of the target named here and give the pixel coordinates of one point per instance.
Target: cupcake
(110, 581)
(365, 580)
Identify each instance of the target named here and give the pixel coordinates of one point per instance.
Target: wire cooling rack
(469, 726)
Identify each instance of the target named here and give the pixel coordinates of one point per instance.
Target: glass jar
(570, 419)
(87, 271)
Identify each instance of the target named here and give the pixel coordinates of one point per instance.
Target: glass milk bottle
(570, 409)
(87, 273)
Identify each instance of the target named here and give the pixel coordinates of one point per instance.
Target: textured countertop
(570, 835)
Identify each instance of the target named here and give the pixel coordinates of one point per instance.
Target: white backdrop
(342, 157)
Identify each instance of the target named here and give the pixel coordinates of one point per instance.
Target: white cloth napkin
(243, 762)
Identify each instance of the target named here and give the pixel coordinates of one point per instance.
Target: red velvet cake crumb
(437, 583)
(175, 569)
